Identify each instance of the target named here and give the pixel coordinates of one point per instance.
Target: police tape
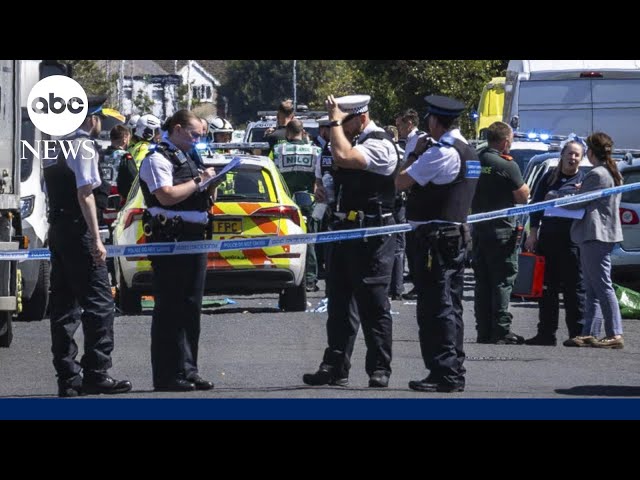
(206, 246)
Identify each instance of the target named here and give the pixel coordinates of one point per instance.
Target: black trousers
(362, 271)
(562, 274)
(80, 293)
(397, 275)
(178, 287)
(439, 270)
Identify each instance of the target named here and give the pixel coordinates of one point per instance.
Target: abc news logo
(57, 105)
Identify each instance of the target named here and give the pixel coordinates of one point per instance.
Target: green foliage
(253, 85)
(92, 78)
(394, 85)
(142, 102)
(182, 94)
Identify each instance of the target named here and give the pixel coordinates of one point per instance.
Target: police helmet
(133, 121)
(148, 125)
(220, 125)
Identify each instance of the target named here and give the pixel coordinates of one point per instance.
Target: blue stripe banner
(320, 409)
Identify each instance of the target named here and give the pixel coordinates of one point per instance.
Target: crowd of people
(362, 177)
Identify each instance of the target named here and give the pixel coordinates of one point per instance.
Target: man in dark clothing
(80, 290)
(283, 117)
(360, 269)
(495, 258)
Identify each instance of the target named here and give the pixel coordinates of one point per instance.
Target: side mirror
(515, 122)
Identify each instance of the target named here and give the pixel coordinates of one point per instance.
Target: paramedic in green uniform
(495, 258)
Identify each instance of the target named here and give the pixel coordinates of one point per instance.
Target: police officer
(284, 115)
(296, 160)
(324, 205)
(80, 290)
(177, 205)
(360, 269)
(442, 178)
(407, 123)
(495, 257)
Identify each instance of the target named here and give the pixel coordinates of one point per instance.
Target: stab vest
(449, 202)
(184, 170)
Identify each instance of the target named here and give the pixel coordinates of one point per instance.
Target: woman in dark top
(550, 237)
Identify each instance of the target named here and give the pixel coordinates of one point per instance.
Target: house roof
(215, 68)
(140, 67)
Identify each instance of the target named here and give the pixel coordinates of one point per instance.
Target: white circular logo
(57, 105)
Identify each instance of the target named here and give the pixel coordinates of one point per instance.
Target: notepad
(220, 176)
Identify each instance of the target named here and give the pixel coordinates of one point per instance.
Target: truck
(24, 286)
(559, 97)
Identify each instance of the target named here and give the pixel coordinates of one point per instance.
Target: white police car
(255, 130)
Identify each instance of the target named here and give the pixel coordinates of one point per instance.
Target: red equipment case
(530, 279)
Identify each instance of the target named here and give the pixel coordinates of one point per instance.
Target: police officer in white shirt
(360, 269)
(442, 178)
(80, 289)
(178, 206)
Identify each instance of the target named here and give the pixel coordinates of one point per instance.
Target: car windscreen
(522, 156)
(243, 185)
(256, 134)
(634, 195)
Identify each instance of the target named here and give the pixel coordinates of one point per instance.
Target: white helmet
(148, 125)
(133, 121)
(220, 125)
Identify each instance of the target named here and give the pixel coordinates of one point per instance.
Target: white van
(34, 274)
(581, 96)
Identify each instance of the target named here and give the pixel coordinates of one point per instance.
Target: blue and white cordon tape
(203, 246)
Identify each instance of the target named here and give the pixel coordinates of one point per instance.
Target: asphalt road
(252, 350)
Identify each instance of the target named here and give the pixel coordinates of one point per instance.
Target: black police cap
(444, 106)
(95, 102)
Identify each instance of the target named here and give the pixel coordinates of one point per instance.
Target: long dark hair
(601, 145)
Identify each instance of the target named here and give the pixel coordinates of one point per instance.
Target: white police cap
(323, 121)
(354, 104)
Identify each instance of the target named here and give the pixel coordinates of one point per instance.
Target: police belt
(163, 228)
(358, 219)
(65, 215)
(440, 230)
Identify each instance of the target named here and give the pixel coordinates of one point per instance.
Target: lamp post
(295, 93)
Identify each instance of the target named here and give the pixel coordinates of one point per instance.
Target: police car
(255, 130)
(253, 201)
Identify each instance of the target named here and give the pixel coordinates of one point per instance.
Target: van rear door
(556, 106)
(616, 109)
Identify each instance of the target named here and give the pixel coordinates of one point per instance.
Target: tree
(253, 85)
(92, 78)
(394, 85)
(142, 102)
(182, 94)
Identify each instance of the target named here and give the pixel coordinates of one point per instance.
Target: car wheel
(35, 309)
(128, 300)
(294, 299)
